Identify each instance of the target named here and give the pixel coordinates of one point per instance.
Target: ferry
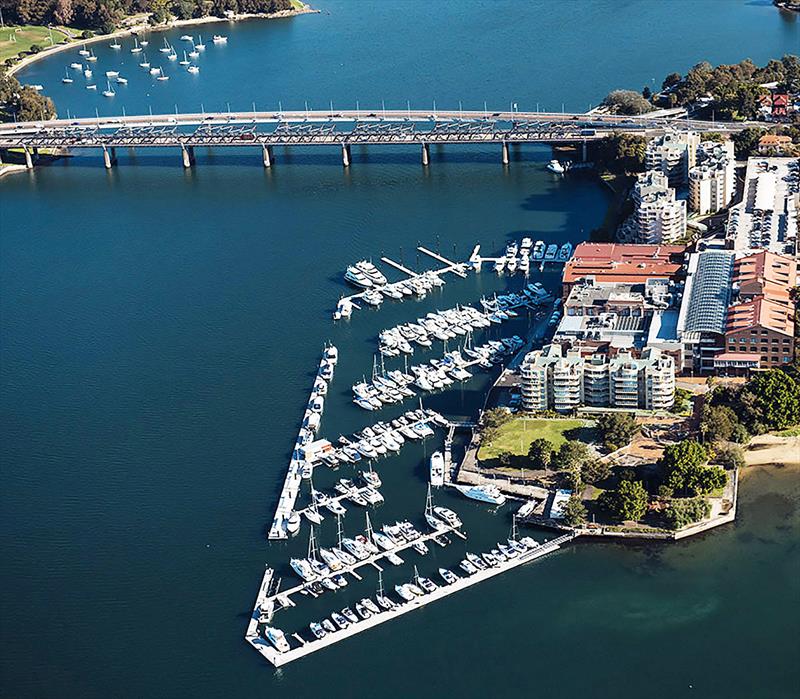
(565, 252)
(552, 251)
(483, 493)
(556, 167)
(277, 639)
(538, 250)
(437, 469)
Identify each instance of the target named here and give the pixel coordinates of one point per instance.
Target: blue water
(158, 333)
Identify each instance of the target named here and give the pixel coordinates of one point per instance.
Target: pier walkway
(308, 647)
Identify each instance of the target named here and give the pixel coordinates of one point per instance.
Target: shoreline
(143, 27)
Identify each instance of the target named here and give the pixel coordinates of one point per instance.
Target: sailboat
(87, 72)
(108, 92)
(193, 69)
(116, 45)
(166, 48)
(145, 63)
(194, 53)
(200, 46)
(84, 51)
(172, 56)
(136, 48)
(66, 79)
(162, 76)
(144, 42)
(91, 56)
(185, 61)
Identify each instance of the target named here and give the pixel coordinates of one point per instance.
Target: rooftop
(707, 292)
(611, 262)
(765, 273)
(761, 312)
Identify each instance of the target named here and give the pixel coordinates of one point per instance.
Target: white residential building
(712, 182)
(563, 382)
(658, 216)
(673, 154)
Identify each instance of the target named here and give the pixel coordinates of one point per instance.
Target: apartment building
(658, 216)
(673, 154)
(555, 380)
(712, 182)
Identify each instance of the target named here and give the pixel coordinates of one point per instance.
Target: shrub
(681, 513)
(627, 502)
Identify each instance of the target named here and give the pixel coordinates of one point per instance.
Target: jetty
(255, 639)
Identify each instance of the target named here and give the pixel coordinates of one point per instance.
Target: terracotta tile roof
(772, 139)
(760, 312)
(765, 273)
(611, 262)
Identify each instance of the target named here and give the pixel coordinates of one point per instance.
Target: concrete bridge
(342, 129)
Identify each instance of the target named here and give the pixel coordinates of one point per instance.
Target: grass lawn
(516, 436)
(26, 36)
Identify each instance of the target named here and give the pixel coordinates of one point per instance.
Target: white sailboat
(185, 61)
(84, 51)
(91, 56)
(66, 79)
(116, 45)
(145, 63)
(166, 48)
(136, 48)
(108, 92)
(200, 46)
(162, 76)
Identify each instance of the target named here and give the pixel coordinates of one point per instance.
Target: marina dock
(296, 652)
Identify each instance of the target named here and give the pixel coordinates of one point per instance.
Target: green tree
(671, 80)
(594, 471)
(730, 456)
(683, 454)
(571, 455)
(540, 452)
(574, 511)
(617, 429)
(627, 502)
(777, 398)
(681, 513)
(746, 141)
(718, 422)
(496, 417)
(504, 457)
(682, 398)
(627, 102)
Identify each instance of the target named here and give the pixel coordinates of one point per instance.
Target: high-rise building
(673, 154)
(712, 182)
(658, 216)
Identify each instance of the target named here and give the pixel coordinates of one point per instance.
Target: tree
(617, 429)
(627, 502)
(730, 456)
(683, 455)
(22, 103)
(594, 471)
(504, 457)
(647, 93)
(670, 81)
(540, 452)
(681, 513)
(682, 398)
(777, 398)
(718, 422)
(574, 511)
(571, 455)
(63, 12)
(746, 141)
(496, 417)
(627, 102)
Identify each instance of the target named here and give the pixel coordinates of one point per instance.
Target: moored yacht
(555, 166)
(483, 493)
(437, 469)
(552, 251)
(277, 639)
(447, 516)
(538, 250)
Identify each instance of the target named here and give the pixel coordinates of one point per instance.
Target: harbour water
(160, 329)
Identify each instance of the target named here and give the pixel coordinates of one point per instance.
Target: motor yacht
(448, 576)
(277, 639)
(483, 493)
(556, 167)
(437, 469)
(317, 630)
(550, 254)
(447, 516)
(303, 568)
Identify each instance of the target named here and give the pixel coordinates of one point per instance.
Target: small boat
(108, 92)
(526, 510)
(385, 602)
(303, 569)
(448, 576)
(317, 629)
(340, 580)
(277, 639)
(116, 45)
(172, 56)
(556, 167)
(328, 584)
(66, 79)
(427, 584)
(340, 621)
(362, 611)
(144, 42)
(350, 615)
(193, 53)
(162, 76)
(136, 48)
(467, 567)
(122, 81)
(186, 37)
(112, 73)
(312, 515)
(154, 71)
(91, 56)
(335, 508)
(200, 46)
(394, 559)
(185, 61)
(76, 66)
(219, 39)
(420, 547)
(476, 561)
(565, 252)
(84, 51)
(327, 624)
(87, 73)
(404, 592)
(447, 516)
(293, 523)
(193, 69)
(91, 87)
(552, 251)
(437, 469)
(538, 250)
(145, 63)
(166, 48)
